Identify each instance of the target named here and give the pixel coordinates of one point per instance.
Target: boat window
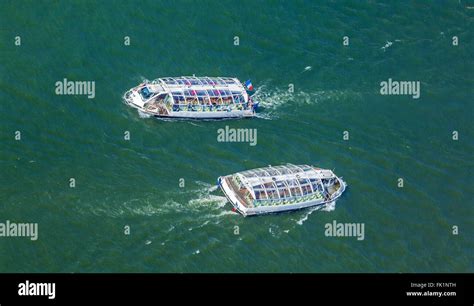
(295, 191)
(211, 81)
(160, 98)
(260, 195)
(272, 194)
(250, 174)
(238, 99)
(280, 184)
(268, 185)
(292, 182)
(306, 189)
(189, 93)
(293, 169)
(272, 172)
(145, 92)
(303, 181)
(284, 193)
(282, 170)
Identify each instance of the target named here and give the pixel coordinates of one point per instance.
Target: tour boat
(193, 98)
(280, 188)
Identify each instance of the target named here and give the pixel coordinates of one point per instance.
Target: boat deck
(239, 193)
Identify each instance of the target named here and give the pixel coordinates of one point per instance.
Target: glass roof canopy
(284, 182)
(205, 89)
(203, 81)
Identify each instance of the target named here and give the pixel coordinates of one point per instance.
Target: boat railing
(288, 200)
(216, 86)
(208, 107)
(209, 104)
(199, 81)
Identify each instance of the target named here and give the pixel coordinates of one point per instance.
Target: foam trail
(205, 198)
(226, 213)
(307, 68)
(143, 115)
(148, 205)
(213, 188)
(387, 45)
(217, 201)
(306, 215)
(271, 100)
(206, 187)
(264, 116)
(329, 206)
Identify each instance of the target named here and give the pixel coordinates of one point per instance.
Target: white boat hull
(198, 100)
(194, 114)
(208, 115)
(249, 211)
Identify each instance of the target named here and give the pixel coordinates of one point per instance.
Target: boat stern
(255, 106)
(230, 195)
